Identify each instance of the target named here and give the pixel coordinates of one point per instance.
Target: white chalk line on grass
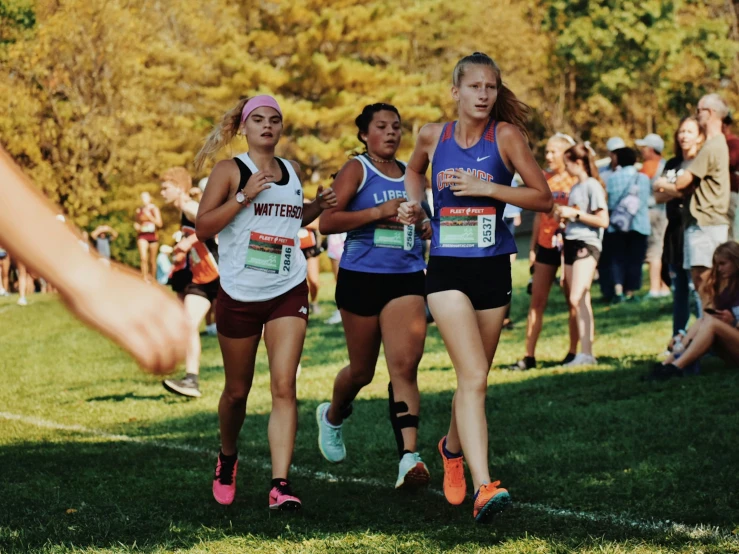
(691, 531)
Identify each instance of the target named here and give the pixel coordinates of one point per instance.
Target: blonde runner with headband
(254, 203)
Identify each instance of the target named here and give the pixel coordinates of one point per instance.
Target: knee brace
(398, 421)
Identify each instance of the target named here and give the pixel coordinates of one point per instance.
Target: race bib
(391, 233)
(467, 227)
(270, 254)
(148, 227)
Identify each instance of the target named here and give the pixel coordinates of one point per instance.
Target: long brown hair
(507, 107)
(701, 135)
(222, 134)
(583, 152)
(714, 285)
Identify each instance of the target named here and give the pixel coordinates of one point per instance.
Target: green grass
(593, 440)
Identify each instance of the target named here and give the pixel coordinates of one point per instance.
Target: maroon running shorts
(239, 320)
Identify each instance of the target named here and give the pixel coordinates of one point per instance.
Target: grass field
(97, 457)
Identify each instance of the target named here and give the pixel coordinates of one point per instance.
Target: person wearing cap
(732, 142)
(613, 144)
(651, 148)
(706, 183)
(624, 249)
(605, 276)
(164, 264)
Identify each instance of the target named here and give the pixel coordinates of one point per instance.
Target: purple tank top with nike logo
(469, 226)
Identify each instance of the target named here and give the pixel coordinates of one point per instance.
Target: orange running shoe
(455, 487)
(490, 500)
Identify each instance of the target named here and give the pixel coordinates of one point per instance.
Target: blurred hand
(424, 230)
(256, 184)
(726, 316)
(462, 183)
(566, 212)
(390, 208)
(410, 212)
(326, 198)
(149, 323)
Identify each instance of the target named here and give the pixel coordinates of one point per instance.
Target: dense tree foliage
(100, 95)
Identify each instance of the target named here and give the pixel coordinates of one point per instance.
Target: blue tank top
(469, 226)
(385, 246)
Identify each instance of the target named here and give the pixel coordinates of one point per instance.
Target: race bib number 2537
(467, 227)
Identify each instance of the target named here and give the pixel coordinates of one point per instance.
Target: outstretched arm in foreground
(149, 323)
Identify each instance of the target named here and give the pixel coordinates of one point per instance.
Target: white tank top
(260, 256)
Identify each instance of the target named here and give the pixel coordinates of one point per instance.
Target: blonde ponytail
(221, 135)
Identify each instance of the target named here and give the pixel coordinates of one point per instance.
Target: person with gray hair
(706, 183)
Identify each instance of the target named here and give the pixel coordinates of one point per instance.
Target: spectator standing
(613, 144)
(625, 242)
(688, 140)
(651, 148)
(706, 180)
(102, 235)
(605, 279)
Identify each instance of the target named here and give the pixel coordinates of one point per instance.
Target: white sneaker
(22, 301)
(211, 330)
(412, 472)
(330, 438)
(3, 292)
(315, 309)
(335, 318)
(582, 359)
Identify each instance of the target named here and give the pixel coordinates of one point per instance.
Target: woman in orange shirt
(546, 253)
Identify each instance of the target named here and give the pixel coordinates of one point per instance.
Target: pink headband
(261, 101)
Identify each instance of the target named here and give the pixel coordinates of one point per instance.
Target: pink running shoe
(224, 482)
(281, 497)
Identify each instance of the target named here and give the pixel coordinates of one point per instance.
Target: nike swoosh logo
(483, 158)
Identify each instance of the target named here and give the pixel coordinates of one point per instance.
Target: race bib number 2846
(270, 254)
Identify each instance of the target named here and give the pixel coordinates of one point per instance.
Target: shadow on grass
(596, 441)
(125, 396)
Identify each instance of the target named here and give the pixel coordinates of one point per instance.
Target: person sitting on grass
(717, 330)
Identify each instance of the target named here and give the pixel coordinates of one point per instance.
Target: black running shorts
(548, 256)
(366, 294)
(485, 281)
(209, 291)
(578, 250)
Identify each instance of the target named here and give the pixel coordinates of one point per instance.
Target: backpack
(623, 214)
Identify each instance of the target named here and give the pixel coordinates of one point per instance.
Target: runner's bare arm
(535, 195)
(217, 207)
(415, 172)
(157, 217)
(149, 323)
(411, 212)
(337, 219)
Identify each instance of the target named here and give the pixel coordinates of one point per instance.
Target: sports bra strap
(245, 174)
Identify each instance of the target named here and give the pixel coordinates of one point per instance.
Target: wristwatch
(242, 199)
(577, 216)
